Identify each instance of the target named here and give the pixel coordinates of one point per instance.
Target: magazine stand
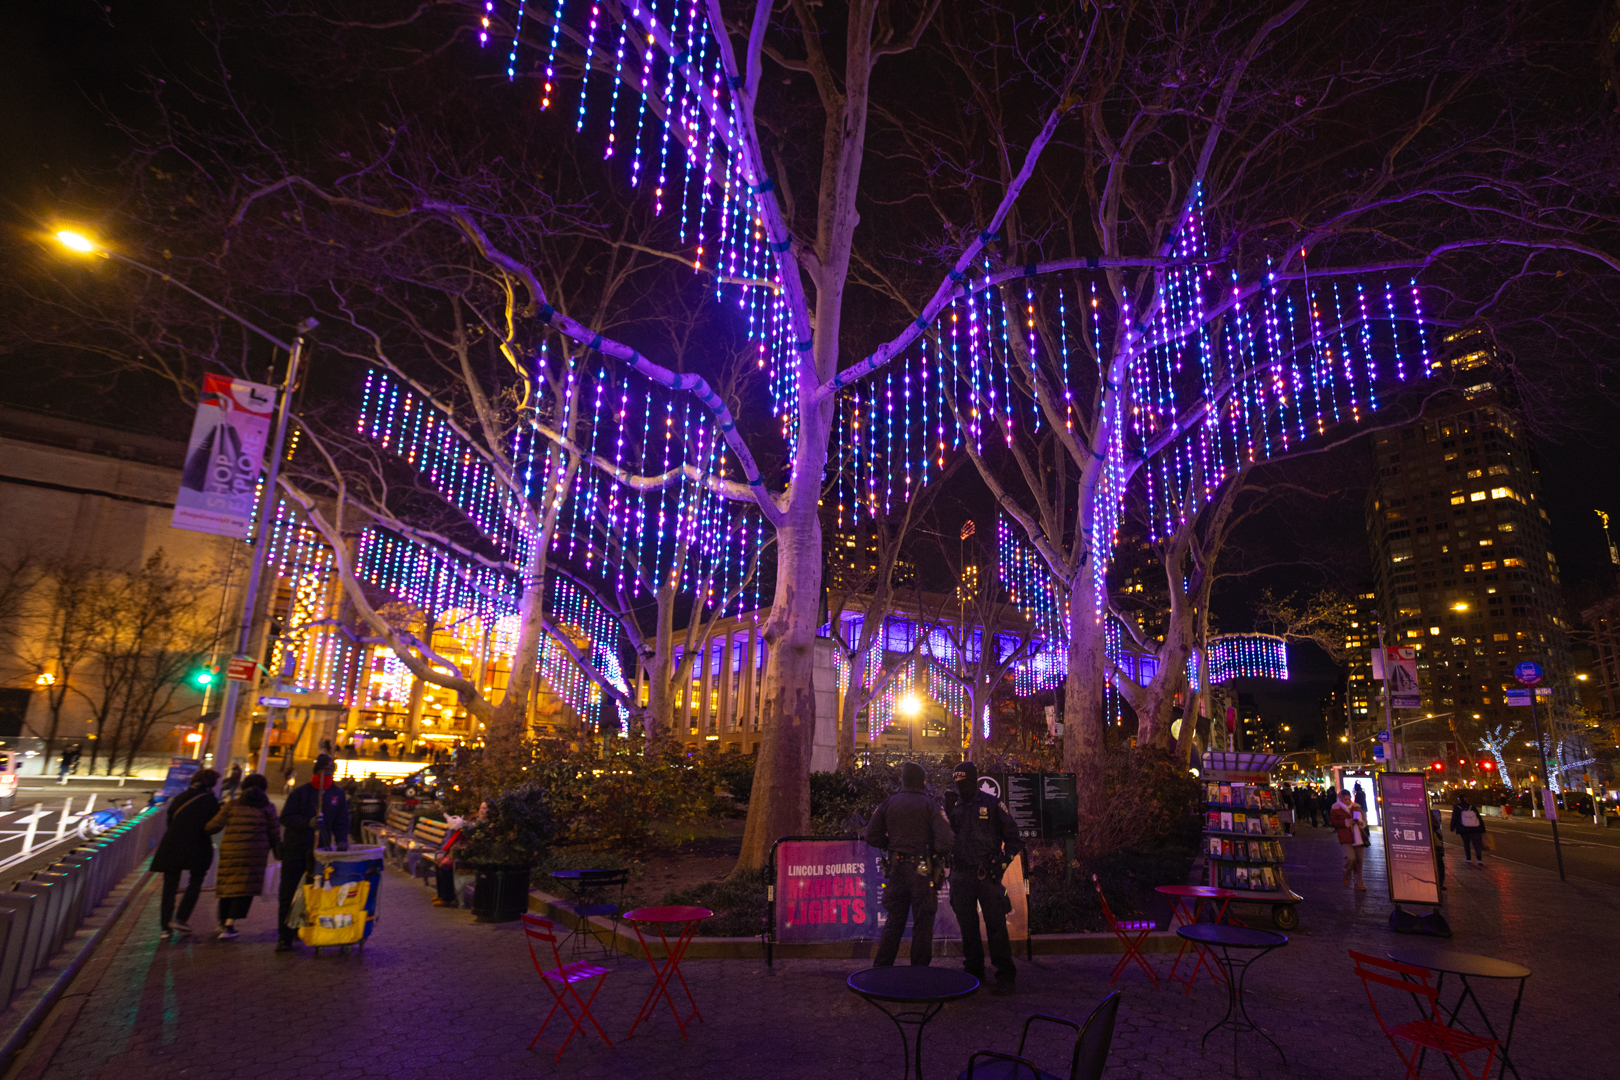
(1243, 835)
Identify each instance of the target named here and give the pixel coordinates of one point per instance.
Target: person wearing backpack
(1466, 822)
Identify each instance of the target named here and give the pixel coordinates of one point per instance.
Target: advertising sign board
(1408, 840)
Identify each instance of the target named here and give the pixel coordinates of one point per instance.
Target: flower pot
(500, 893)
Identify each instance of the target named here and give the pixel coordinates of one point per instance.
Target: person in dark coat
(186, 847)
(233, 782)
(910, 828)
(1467, 823)
(251, 832)
(316, 812)
(987, 841)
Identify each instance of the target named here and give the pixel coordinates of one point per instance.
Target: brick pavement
(436, 995)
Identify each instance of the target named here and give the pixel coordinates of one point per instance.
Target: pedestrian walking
(233, 781)
(68, 762)
(987, 841)
(1351, 823)
(1466, 822)
(251, 831)
(186, 848)
(914, 836)
(1309, 802)
(316, 813)
(1325, 803)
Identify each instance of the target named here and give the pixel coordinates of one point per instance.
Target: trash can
(366, 806)
(340, 907)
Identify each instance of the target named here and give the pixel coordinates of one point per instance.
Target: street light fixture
(78, 242)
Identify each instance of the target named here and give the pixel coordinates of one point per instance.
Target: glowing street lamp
(79, 242)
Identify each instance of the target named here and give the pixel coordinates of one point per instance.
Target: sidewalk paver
(435, 994)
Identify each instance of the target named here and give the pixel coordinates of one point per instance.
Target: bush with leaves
(515, 828)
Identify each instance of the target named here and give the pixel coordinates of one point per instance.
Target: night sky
(62, 62)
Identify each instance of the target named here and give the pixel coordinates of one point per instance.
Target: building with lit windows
(1360, 693)
(1462, 567)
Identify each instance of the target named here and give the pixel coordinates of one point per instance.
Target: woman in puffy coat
(251, 833)
(186, 847)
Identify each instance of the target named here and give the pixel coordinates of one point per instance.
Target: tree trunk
(780, 804)
(1083, 730)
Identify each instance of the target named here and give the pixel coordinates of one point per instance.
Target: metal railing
(44, 910)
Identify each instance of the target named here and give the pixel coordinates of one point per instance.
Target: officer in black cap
(912, 830)
(987, 841)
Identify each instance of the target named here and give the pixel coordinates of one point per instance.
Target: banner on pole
(1401, 677)
(224, 456)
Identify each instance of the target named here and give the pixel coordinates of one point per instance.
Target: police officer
(909, 826)
(987, 841)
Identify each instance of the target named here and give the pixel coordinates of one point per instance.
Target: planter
(500, 893)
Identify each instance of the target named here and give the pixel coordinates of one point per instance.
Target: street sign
(241, 668)
(274, 702)
(1378, 752)
(1521, 695)
(1383, 736)
(1527, 672)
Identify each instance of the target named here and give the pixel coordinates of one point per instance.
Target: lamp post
(78, 242)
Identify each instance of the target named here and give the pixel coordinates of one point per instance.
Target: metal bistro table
(1227, 938)
(929, 988)
(1188, 899)
(689, 918)
(1469, 966)
(587, 885)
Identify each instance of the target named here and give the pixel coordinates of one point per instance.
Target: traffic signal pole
(1541, 758)
(233, 687)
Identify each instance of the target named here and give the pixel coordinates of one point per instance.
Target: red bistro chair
(560, 979)
(1428, 1032)
(1124, 929)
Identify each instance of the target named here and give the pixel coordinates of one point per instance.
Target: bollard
(33, 826)
(61, 820)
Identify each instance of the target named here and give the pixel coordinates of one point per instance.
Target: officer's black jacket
(983, 827)
(905, 821)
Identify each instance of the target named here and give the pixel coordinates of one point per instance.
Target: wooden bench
(396, 825)
(422, 849)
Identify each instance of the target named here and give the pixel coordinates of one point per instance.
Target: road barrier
(42, 912)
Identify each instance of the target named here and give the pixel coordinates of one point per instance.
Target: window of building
(1499, 470)
(1475, 474)
(1475, 496)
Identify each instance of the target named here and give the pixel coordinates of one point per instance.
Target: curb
(752, 948)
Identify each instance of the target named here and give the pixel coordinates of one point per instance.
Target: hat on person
(325, 764)
(912, 777)
(966, 771)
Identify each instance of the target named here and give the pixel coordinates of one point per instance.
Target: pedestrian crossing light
(204, 677)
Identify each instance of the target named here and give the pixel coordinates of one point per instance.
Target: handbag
(1488, 840)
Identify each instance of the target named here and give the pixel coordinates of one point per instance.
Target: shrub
(515, 829)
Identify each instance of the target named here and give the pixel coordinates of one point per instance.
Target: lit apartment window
(1477, 496)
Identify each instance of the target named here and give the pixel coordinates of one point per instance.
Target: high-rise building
(1360, 693)
(1462, 564)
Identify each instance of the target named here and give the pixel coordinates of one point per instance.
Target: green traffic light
(203, 677)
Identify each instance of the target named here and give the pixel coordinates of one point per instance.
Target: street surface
(1590, 852)
(436, 995)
